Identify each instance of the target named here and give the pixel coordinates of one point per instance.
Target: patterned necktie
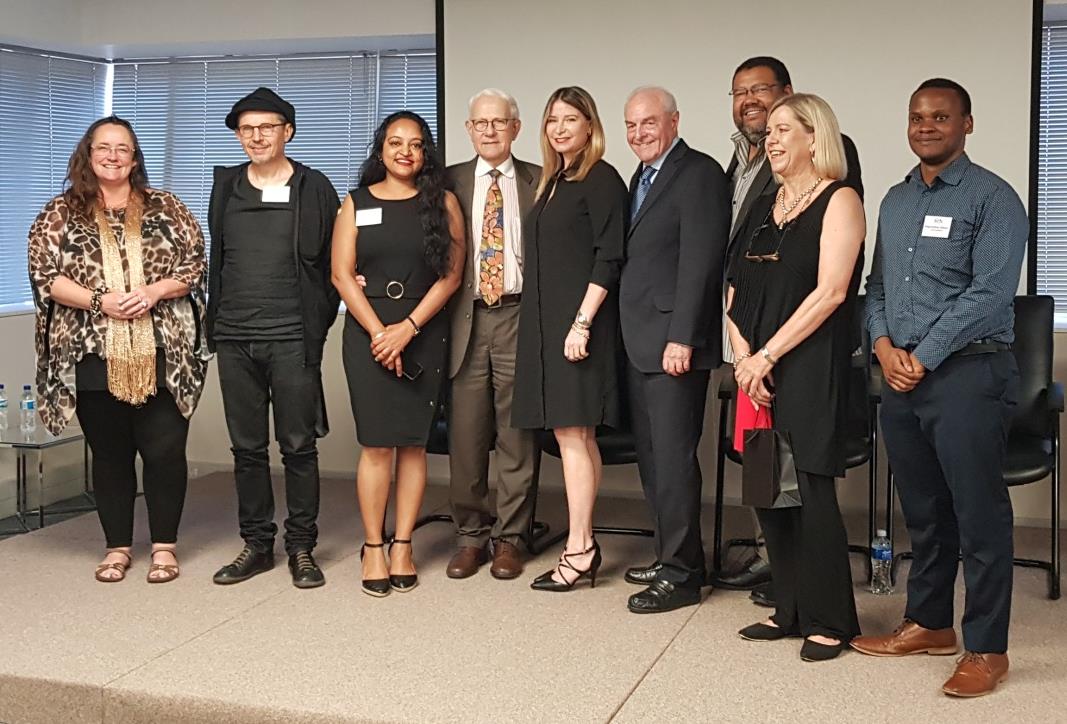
(643, 185)
(491, 250)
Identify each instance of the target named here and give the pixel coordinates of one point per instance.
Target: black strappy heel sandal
(545, 582)
(402, 583)
(377, 587)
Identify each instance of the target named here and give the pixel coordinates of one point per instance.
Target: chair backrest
(1033, 354)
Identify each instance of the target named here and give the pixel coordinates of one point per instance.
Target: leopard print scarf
(131, 345)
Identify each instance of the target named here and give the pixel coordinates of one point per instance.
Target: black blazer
(671, 286)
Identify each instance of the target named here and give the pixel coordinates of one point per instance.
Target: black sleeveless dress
(811, 381)
(393, 411)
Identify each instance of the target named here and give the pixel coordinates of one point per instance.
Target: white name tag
(368, 217)
(276, 195)
(937, 227)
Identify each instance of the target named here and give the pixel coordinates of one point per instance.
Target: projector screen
(865, 58)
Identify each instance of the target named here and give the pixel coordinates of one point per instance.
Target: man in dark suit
(670, 309)
(757, 84)
(495, 190)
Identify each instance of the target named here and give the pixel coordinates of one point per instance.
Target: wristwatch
(767, 356)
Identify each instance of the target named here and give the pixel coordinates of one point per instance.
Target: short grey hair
(513, 105)
(670, 105)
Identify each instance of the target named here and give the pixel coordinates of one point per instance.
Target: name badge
(937, 227)
(276, 195)
(368, 217)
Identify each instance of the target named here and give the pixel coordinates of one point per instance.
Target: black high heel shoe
(402, 583)
(545, 582)
(378, 587)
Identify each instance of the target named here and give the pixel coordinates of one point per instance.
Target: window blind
(1052, 171)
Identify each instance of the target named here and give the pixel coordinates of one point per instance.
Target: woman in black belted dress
(405, 233)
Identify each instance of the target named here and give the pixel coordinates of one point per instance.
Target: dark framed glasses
(774, 255)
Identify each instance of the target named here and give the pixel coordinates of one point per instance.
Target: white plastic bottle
(28, 409)
(3, 408)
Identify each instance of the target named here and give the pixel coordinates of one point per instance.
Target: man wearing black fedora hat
(270, 306)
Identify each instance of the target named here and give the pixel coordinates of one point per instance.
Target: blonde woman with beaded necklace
(793, 282)
(117, 270)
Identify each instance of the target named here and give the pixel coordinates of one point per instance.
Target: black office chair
(1034, 441)
(861, 441)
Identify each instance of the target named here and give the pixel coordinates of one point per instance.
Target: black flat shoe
(814, 651)
(545, 582)
(662, 596)
(763, 595)
(305, 571)
(763, 632)
(377, 587)
(757, 571)
(402, 583)
(249, 562)
(643, 575)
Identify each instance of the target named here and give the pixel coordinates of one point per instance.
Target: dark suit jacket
(764, 183)
(671, 286)
(461, 176)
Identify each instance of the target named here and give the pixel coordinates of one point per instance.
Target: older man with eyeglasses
(270, 305)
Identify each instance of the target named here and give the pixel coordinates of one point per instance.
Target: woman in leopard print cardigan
(118, 270)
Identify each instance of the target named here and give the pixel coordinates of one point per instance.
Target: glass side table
(33, 444)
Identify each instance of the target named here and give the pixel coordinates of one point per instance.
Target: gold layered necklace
(787, 210)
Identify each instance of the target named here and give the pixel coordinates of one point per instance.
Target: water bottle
(881, 563)
(3, 408)
(28, 409)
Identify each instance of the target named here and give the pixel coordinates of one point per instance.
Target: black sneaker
(306, 573)
(249, 562)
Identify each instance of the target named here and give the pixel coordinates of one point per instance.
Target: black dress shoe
(755, 572)
(305, 571)
(763, 595)
(814, 651)
(377, 587)
(402, 582)
(643, 575)
(663, 596)
(249, 562)
(763, 632)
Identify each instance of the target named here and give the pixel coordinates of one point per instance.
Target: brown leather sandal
(120, 567)
(169, 571)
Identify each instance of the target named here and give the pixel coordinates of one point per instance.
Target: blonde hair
(593, 151)
(817, 118)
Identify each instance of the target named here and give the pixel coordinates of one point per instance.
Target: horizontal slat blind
(1052, 171)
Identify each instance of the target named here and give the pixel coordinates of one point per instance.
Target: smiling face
(937, 126)
(402, 151)
(789, 144)
(650, 129)
(567, 129)
(263, 149)
(111, 154)
(754, 91)
(492, 144)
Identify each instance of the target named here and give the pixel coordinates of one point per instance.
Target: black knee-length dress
(572, 237)
(393, 411)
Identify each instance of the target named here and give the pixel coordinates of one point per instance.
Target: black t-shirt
(259, 298)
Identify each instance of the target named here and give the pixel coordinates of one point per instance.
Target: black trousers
(668, 418)
(946, 442)
(117, 432)
(808, 551)
(255, 377)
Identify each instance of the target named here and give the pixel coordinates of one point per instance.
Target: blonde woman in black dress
(406, 234)
(566, 367)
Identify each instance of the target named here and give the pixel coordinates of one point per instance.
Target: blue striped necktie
(643, 186)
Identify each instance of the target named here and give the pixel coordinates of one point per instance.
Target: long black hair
(430, 183)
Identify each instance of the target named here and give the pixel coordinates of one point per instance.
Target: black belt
(508, 300)
(982, 347)
(395, 290)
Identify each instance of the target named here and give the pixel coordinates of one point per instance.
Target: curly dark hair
(430, 182)
(83, 191)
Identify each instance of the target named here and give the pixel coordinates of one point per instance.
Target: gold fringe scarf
(131, 344)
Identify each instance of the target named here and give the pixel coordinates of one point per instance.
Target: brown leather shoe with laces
(909, 638)
(507, 561)
(977, 674)
(466, 561)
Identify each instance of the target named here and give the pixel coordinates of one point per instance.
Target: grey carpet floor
(476, 650)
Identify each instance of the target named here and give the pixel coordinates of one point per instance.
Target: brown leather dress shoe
(909, 638)
(466, 561)
(977, 674)
(507, 561)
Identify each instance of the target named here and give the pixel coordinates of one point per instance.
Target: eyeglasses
(481, 125)
(774, 255)
(265, 129)
(760, 89)
(106, 149)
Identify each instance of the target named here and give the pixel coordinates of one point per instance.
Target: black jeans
(946, 442)
(255, 376)
(116, 433)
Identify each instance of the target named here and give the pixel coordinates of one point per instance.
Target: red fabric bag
(749, 418)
